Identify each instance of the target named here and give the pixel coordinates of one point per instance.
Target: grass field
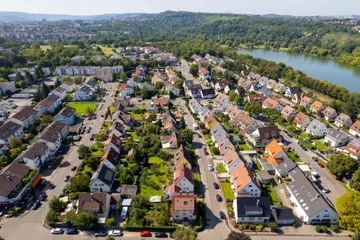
(197, 183)
(207, 138)
(106, 50)
(293, 155)
(133, 135)
(155, 160)
(137, 117)
(45, 47)
(269, 191)
(220, 168)
(81, 107)
(226, 187)
(245, 147)
(319, 145)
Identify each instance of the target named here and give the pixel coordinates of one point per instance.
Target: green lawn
(245, 147)
(112, 109)
(133, 135)
(155, 160)
(319, 145)
(137, 117)
(81, 107)
(197, 183)
(293, 155)
(228, 192)
(307, 144)
(106, 50)
(220, 168)
(142, 106)
(208, 137)
(214, 150)
(269, 191)
(45, 47)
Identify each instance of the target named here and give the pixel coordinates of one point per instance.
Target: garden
(83, 108)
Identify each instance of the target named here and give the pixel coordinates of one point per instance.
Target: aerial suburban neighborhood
(133, 139)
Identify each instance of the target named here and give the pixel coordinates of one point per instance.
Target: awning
(36, 180)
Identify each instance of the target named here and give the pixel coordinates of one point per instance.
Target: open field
(226, 187)
(106, 50)
(82, 107)
(45, 47)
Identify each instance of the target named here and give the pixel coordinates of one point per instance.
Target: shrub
(318, 229)
(259, 227)
(273, 225)
(324, 229)
(334, 228)
(252, 226)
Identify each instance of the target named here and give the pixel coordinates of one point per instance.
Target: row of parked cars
(115, 233)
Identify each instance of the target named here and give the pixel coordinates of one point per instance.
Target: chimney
(257, 202)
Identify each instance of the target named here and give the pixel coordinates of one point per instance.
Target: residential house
(335, 138)
(254, 210)
(230, 87)
(280, 88)
(119, 129)
(111, 158)
(97, 203)
(283, 215)
(60, 92)
(302, 120)
(204, 113)
(171, 88)
(7, 87)
(231, 160)
(296, 98)
(225, 145)
(264, 135)
(53, 135)
(77, 59)
(133, 83)
(317, 107)
(69, 86)
(317, 128)
(288, 112)
(244, 182)
(240, 91)
(170, 126)
(241, 80)
(210, 121)
(36, 156)
(105, 76)
(306, 101)
(353, 149)
(272, 104)
(343, 121)
(329, 114)
(67, 116)
(182, 156)
(309, 205)
(169, 141)
(220, 85)
(85, 93)
(222, 102)
(218, 132)
(290, 91)
(102, 180)
(125, 90)
(204, 74)
(263, 81)
(279, 160)
(355, 129)
(187, 84)
(261, 90)
(254, 98)
(49, 104)
(93, 84)
(183, 207)
(12, 187)
(10, 130)
(160, 103)
(207, 93)
(97, 58)
(271, 84)
(25, 117)
(113, 142)
(247, 85)
(195, 106)
(184, 181)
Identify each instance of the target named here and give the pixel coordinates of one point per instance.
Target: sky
(94, 7)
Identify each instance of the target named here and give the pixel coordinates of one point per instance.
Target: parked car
(73, 168)
(71, 231)
(325, 190)
(320, 164)
(43, 197)
(101, 234)
(211, 168)
(36, 205)
(115, 233)
(222, 215)
(92, 137)
(67, 177)
(314, 159)
(216, 186)
(57, 231)
(161, 235)
(145, 233)
(218, 198)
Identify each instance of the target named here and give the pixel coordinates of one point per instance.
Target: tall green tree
(182, 233)
(238, 236)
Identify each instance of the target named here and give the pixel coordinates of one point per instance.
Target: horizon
(255, 7)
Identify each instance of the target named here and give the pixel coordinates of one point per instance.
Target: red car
(145, 233)
(320, 164)
(67, 177)
(73, 168)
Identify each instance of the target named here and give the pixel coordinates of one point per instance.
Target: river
(320, 68)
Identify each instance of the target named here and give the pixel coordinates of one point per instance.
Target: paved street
(185, 70)
(31, 222)
(327, 179)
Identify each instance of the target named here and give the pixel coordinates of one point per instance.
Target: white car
(57, 231)
(115, 233)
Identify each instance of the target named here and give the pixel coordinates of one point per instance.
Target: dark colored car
(71, 231)
(67, 177)
(101, 234)
(43, 197)
(314, 159)
(216, 186)
(218, 197)
(36, 205)
(92, 137)
(73, 168)
(222, 215)
(161, 235)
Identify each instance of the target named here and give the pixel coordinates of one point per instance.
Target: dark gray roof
(52, 98)
(38, 149)
(104, 174)
(285, 166)
(92, 83)
(269, 132)
(310, 199)
(85, 89)
(283, 213)
(335, 134)
(294, 90)
(8, 129)
(67, 111)
(253, 206)
(188, 83)
(208, 91)
(194, 87)
(52, 133)
(113, 157)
